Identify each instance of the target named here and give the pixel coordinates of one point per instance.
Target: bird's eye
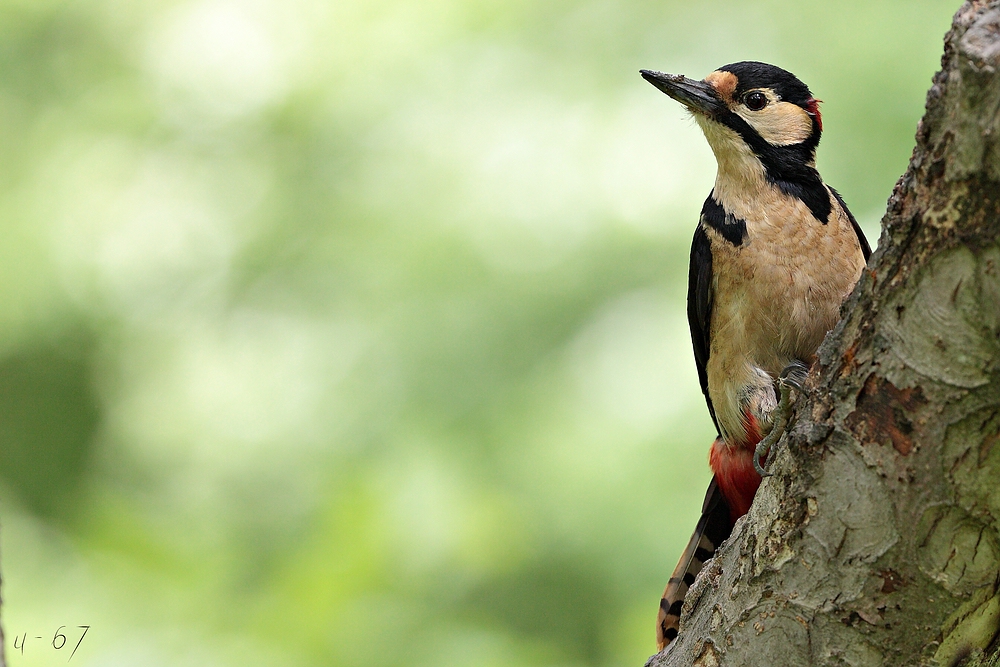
(755, 101)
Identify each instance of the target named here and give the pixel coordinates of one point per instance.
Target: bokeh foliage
(353, 333)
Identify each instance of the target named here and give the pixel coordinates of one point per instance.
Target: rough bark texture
(876, 541)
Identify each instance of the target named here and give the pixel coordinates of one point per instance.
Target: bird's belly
(772, 304)
(773, 319)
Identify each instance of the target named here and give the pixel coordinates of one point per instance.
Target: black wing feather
(865, 248)
(699, 307)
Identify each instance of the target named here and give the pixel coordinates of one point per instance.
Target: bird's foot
(792, 376)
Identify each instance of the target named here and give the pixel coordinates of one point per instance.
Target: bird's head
(750, 113)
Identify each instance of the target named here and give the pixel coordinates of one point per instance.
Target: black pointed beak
(698, 96)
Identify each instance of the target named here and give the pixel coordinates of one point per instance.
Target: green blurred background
(353, 333)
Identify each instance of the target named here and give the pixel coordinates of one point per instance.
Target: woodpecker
(775, 253)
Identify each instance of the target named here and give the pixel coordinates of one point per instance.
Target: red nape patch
(812, 108)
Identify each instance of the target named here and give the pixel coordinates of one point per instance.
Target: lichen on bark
(876, 541)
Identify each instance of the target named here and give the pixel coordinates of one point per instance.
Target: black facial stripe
(787, 166)
(788, 162)
(733, 229)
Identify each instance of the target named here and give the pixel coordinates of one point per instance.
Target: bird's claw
(793, 375)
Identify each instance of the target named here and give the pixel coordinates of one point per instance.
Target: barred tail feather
(712, 529)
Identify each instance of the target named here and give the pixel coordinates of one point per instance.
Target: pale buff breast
(775, 297)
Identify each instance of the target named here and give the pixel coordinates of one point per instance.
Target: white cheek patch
(780, 124)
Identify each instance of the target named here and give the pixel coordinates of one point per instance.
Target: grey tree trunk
(876, 541)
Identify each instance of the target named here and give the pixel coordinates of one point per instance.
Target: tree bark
(876, 541)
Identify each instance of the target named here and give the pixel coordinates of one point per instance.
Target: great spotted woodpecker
(774, 255)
